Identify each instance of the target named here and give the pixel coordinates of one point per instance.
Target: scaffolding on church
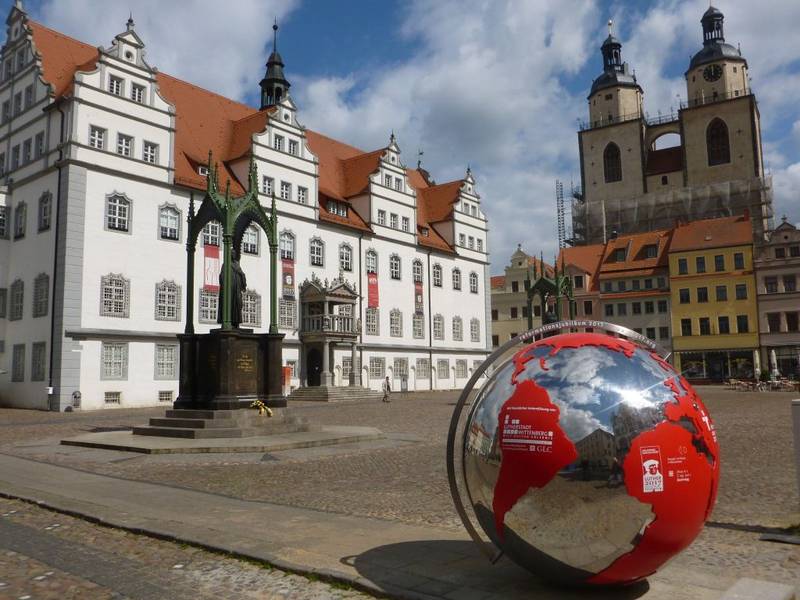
(596, 222)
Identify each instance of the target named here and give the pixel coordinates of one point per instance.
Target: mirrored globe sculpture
(584, 457)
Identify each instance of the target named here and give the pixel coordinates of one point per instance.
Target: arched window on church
(718, 144)
(612, 163)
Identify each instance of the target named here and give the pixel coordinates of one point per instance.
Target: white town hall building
(99, 155)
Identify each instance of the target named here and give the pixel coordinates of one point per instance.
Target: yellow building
(714, 309)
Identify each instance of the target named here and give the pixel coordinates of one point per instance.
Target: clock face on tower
(712, 72)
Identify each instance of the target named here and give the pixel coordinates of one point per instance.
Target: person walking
(387, 389)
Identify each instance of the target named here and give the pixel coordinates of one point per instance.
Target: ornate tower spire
(612, 52)
(274, 86)
(712, 26)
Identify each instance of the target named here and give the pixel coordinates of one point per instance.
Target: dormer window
(650, 251)
(202, 171)
(619, 255)
(337, 208)
(425, 231)
(115, 85)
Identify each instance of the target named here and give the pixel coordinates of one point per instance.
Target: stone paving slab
(403, 560)
(128, 442)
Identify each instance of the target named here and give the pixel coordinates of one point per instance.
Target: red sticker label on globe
(651, 464)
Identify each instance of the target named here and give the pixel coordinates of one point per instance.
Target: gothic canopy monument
(230, 367)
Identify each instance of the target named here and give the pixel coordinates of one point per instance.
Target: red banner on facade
(418, 306)
(211, 267)
(372, 290)
(288, 278)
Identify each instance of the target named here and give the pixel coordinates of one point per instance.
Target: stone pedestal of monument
(229, 369)
(207, 424)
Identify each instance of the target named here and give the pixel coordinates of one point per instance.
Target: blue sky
(494, 84)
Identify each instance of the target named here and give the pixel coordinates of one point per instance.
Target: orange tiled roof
(712, 233)
(206, 121)
(586, 258)
(498, 282)
(634, 245)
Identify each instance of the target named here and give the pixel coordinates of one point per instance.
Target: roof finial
(419, 158)
(391, 137)
(130, 23)
(275, 35)
(610, 26)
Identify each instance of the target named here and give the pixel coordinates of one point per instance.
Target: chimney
(746, 214)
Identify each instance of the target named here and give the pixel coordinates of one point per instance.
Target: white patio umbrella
(773, 359)
(756, 364)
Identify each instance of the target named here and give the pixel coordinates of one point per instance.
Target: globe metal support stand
(488, 548)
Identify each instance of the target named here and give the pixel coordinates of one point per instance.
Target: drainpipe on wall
(360, 313)
(55, 263)
(430, 326)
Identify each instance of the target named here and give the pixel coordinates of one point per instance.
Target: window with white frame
(115, 293)
(456, 279)
(418, 323)
(381, 217)
(461, 368)
(97, 137)
(26, 151)
(302, 195)
(438, 327)
(473, 282)
(168, 301)
(208, 306)
(114, 360)
(387, 180)
(371, 261)
(437, 276)
(115, 85)
(166, 366)
(150, 152)
(443, 368)
(286, 190)
(118, 212)
(345, 257)
(267, 184)
(377, 367)
(347, 366)
(124, 145)
(394, 266)
(287, 245)
(18, 363)
(45, 210)
(480, 244)
(423, 369)
(137, 93)
(471, 243)
(165, 396)
(396, 323)
(17, 103)
(41, 293)
(112, 397)
(474, 330)
(250, 240)
(3, 221)
(398, 184)
(372, 323)
(251, 308)
(17, 292)
(406, 224)
(277, 142)
(287, 313)
(416, 268)
(28, 96)
(293, 147)
(474, 210)
(38, 145)
(400, 367)
(458, 329)
(38, 361)
(393, 221)
(169, 222)
(337, 208)
(317, 252)
(211, 233)
(20, 219)
(462, 239)
(14, 157)
(292, 364)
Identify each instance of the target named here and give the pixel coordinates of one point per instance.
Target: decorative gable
(128, 47)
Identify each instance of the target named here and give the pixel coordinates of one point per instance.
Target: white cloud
(205, 42)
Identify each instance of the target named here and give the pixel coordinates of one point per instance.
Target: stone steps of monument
(185, 413)
(180, 432)
(193, 423)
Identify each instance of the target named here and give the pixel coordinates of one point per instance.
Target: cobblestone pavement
(46, 555)
(403, 478)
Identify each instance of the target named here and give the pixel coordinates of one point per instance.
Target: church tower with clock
(641, 172)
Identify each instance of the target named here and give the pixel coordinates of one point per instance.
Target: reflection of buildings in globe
(537, 489)
(597, 450)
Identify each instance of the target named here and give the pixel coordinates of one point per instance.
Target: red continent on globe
(674, 466)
